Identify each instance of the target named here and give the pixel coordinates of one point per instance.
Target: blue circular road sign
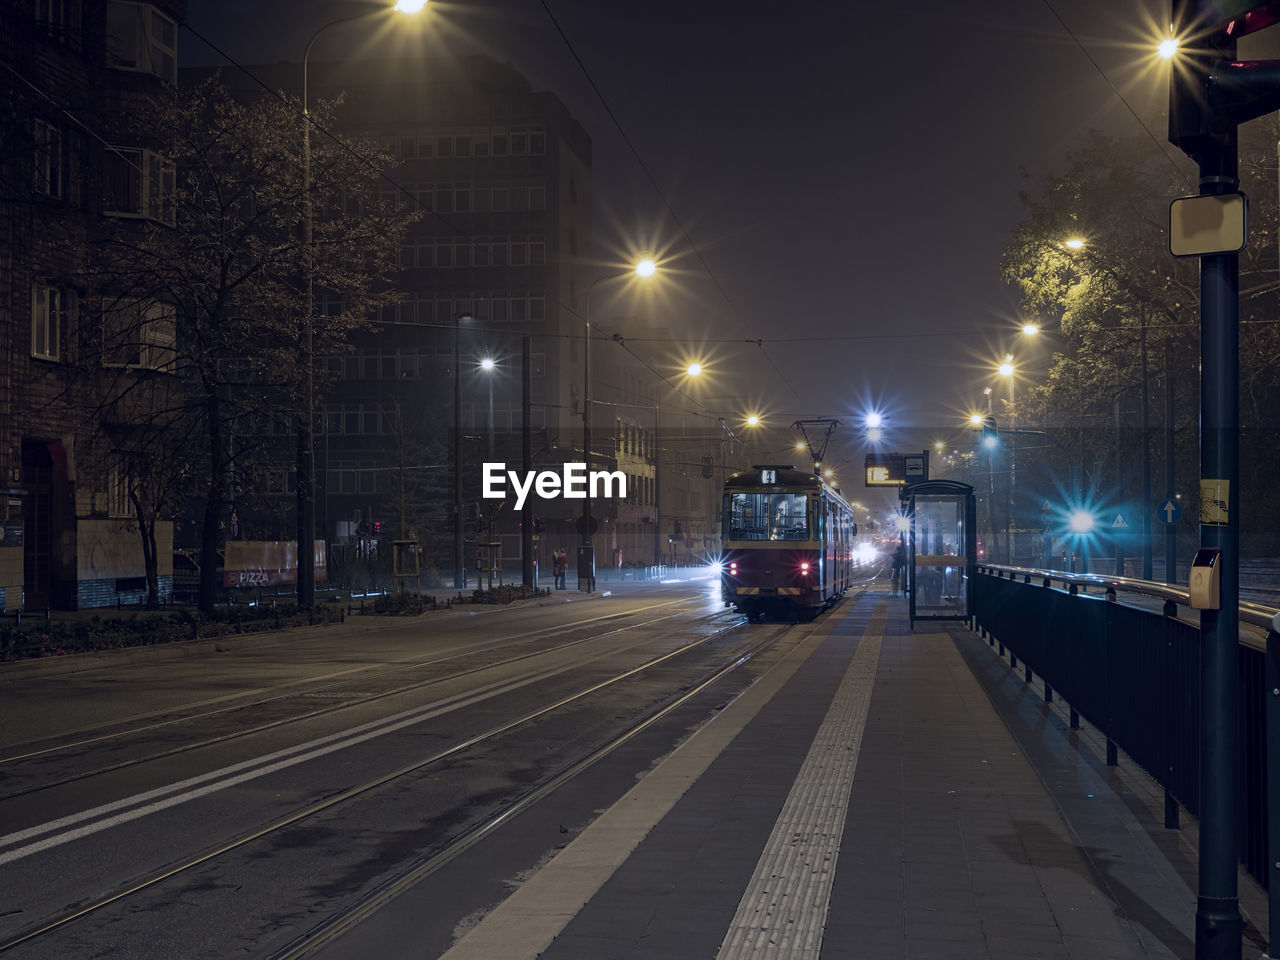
(1169, 511)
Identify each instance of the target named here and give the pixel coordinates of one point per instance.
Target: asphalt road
(230, 804)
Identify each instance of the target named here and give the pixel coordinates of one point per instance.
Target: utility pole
(1210, 94)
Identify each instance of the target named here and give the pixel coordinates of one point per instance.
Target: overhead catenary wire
(644, 168)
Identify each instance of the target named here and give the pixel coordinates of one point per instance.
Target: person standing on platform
(899, 568)
(559, 566)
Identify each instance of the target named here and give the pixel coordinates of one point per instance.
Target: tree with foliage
(227, 259)
(1125, 313)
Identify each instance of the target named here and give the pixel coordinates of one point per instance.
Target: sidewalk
(866, 799)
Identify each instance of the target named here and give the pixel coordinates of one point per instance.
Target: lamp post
(1007, 370)
(459, 565)
(586, 553)
(305, 466)
(488, 365)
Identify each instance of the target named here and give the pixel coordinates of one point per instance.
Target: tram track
(345, 705)
(724, 665)
(336, 677)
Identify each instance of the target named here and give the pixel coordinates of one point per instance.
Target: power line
(644, 168)
(1160, 144)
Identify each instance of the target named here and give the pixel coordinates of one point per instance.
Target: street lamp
(305, 466)
(459, 566)
(1007, 370)
(488, 364)
(586, 553)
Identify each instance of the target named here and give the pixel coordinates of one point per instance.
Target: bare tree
(217, 273)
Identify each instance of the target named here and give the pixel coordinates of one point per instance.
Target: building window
(47, 321)
(60, 19)
(142, 39)
(537, 141)
(139, 184)
(49, 157)
(118, 487)
(139, 335)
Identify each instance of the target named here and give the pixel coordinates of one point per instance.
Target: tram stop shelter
(943, 549)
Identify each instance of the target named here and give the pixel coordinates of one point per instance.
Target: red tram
(788, 546)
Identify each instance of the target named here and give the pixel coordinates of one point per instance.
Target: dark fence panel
(1135, 675)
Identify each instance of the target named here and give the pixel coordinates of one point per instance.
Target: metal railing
(1134, 673)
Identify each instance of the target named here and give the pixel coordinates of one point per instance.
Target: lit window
(47, 308)
(142, 39)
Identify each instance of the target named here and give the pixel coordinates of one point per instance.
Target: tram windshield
(766, 516)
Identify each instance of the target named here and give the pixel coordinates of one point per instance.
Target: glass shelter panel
(767, 516)
(939, 580)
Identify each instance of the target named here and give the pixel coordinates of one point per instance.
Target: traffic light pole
(1218, 922)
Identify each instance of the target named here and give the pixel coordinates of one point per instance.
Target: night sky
(849, 173)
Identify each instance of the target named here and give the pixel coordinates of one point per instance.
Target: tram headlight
(733, 568)
(804, 568)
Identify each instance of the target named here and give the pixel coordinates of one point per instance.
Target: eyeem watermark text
(574, 482)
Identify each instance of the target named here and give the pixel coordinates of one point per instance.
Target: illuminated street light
(694, 369)
(1168, 47)
(643, 269)
(305, 464)
(1030, 329)
(975, 419)
(488, 364)
(800, 445)
(1075, 243)
(753, 421)
(874, 420)
(1081, 521)
(1006, 368)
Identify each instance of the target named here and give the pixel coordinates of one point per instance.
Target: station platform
(880, 792)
